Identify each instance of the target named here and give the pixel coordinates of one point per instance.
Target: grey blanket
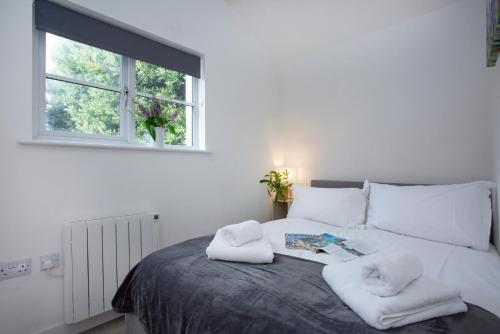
(178, 290)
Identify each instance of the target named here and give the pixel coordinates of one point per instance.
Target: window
(174, 91)
(88, 93)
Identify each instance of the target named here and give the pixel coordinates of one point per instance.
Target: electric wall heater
(98, 254)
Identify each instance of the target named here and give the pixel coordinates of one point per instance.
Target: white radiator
(98, 254)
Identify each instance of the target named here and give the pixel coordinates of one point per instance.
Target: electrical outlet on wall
(50, 261)
(15, 268)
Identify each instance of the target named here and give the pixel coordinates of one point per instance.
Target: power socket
(50, 261)
(15, 268)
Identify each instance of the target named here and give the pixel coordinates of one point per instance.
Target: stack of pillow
(458, 214)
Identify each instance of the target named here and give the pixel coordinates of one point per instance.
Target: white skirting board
(81, 326)
(98, 254)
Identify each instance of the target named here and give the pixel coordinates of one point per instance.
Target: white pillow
(458, 214)
(344, 207)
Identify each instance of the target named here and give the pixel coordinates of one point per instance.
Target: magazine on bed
(342, 248)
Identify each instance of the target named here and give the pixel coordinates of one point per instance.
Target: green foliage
(177, 130)
(161, 82)
(79, 108)
(154, 117)
(84, 62)
(277, 183)
(88, 110)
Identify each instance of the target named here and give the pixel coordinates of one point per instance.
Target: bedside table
(280, 209)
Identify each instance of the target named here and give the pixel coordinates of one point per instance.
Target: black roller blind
(64, 22)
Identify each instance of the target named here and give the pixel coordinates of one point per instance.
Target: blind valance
(58, 20)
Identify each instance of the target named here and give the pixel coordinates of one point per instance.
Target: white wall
(406, 103)
(41, 188)
(494, 90)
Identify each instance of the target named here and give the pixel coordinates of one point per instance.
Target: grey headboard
(359, 184)
(350, 184)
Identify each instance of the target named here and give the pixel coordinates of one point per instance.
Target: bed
(178, 290)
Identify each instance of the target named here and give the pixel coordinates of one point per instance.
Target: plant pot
(159, 136)
(281, 195)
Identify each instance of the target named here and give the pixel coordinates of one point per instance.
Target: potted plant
(277, 184)
(156, 121)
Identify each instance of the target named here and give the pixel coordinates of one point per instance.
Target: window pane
(76, 108)
(159, 81)
(80, 61)
(182, 124)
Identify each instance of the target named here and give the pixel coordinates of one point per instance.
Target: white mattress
(475, 273)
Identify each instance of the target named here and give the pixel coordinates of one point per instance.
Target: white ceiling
(291, 29)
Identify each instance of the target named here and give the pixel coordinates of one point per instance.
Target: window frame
(127, 90)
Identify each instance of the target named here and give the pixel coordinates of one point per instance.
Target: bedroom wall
(407, 103)
(494, 83)
(42, 187)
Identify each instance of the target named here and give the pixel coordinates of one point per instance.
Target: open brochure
(341, 248)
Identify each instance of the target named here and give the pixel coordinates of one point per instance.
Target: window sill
(116, 146)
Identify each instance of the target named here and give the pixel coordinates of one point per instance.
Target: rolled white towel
(422, 299)
(386, 276)
(259, 251)
(240, 234)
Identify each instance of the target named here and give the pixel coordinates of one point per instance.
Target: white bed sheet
(475, 273)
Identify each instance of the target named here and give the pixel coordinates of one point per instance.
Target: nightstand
(280, 209)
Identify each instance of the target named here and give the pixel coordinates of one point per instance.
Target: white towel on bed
(258, 251)
(240, 234)
(386, 276)
(420, 300)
